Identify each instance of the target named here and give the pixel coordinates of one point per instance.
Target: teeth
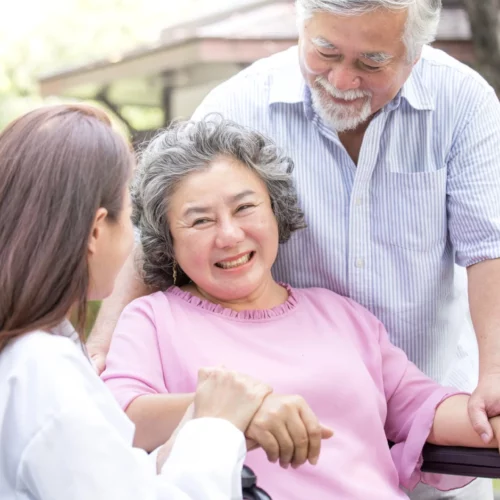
(234, 263)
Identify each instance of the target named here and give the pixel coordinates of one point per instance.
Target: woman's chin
(231, 291)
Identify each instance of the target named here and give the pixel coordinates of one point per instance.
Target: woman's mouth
(231, 264)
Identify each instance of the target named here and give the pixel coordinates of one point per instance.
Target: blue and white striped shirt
(388, 232)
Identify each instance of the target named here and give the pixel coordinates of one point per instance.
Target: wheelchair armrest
(457, 461)
(249, 485)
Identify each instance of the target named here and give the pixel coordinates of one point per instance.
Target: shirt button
(360, 263)
(359, 202)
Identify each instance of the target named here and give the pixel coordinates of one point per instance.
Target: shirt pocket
(409, 209)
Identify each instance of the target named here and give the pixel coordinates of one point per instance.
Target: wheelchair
(452, 460)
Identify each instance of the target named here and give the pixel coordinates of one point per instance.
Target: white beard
(340, 117)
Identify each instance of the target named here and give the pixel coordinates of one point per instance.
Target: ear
(98, 228)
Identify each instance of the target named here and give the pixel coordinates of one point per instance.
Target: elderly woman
(213, 201)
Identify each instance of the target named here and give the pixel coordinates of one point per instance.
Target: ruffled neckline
(250, 314)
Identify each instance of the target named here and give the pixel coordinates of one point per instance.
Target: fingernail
(313, 461)
(485, 437)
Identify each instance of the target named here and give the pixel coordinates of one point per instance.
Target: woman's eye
(199, 222)
(244, 207)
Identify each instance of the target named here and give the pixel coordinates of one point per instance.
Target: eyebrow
(197, 210)
(377, 57)
(323, 43)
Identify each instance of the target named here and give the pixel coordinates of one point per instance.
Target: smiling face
(224, 231)
(354, 65)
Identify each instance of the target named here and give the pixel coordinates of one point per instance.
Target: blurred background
(149, 61)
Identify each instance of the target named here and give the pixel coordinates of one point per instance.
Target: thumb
(480, 422)
(251, 444)
(326, 432)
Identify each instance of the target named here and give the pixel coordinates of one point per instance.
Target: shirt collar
(288, 86)
(66, 329)
(416, 92)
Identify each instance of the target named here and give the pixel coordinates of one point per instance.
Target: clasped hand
(287, 429)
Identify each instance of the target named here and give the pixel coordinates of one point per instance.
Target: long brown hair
(58, 166)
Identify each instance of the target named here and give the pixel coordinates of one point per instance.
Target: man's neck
(353, 139)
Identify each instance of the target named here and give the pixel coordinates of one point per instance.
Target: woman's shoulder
(41, 374)
(333, 304)
(148, 304)
(37, 350)
(40, 362)
(320, 296)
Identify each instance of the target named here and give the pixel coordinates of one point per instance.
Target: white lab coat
(64, 437)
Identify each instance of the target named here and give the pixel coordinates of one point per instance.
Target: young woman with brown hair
(65, 232)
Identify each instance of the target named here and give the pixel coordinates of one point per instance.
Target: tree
(484, 18)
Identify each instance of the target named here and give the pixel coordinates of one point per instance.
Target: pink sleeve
(412, 399)
(134, 365)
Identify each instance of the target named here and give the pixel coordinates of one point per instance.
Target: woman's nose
(229, 234)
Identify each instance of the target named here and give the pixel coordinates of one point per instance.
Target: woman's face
(110, 244)
(224, 231)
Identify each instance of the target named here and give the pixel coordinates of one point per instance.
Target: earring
(174, 272)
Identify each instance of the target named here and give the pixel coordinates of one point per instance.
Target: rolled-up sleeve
(412, 399)
(473, 185)
(134, 366)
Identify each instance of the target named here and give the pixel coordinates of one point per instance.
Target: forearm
(484, 300)
(128, 286)
(156, 417)
(452, 425)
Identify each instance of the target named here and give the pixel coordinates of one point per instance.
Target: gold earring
(174, 272)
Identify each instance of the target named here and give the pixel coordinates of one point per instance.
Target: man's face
(354, 65)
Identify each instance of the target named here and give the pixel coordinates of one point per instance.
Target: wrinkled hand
(226, 394)
(288, 430)
(484, 404)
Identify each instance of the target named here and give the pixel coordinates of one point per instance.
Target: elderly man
(397, 168)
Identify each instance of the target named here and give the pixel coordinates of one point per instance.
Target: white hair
(421, 26)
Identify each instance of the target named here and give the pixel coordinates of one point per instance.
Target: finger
(479, 420)
(251, 444)
(285, 443)
(326, 432)
(314, 433)
(269, 444)
(298, 433)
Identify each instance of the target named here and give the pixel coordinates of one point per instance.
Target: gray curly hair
(192, 146)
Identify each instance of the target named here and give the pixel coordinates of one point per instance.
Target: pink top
(326, 348)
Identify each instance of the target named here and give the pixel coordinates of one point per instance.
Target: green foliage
(92, 313)
(38, 38)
